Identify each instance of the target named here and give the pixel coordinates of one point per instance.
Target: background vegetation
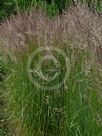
(53, 7)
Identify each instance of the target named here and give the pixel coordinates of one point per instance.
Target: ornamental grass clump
(53, 86)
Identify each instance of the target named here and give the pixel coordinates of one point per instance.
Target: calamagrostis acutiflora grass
(72, 109)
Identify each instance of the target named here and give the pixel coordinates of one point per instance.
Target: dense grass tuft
(73, 42)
